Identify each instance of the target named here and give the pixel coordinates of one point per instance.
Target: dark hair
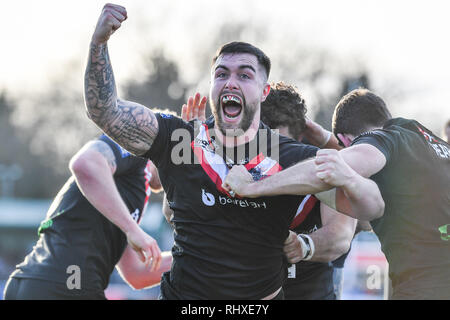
(284, 106)
(359, 111)
(244, 47)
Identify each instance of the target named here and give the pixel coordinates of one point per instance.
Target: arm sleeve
(298, 153)
(380, 139)
(161, 149)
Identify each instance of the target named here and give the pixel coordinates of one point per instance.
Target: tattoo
(130, 124)
(107, 153)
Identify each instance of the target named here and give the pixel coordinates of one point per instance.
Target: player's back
(75, 234)
(415, 185)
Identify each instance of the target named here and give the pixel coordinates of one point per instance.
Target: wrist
(326, 138)
(350, 186)
(307, 245)
(251, 190)
(97, 42)
(129, 226)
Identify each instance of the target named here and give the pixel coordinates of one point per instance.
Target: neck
(230, 141)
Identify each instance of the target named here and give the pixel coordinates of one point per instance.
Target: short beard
(248, 113)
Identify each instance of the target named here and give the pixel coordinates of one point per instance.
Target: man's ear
(265, 92)
(346, 138)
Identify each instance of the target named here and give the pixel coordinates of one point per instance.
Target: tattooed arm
(130, 124)
(93, 168)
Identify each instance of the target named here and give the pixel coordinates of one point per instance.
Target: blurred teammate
(285, 110)
(224, 248)
(411, 166)
(87, 229)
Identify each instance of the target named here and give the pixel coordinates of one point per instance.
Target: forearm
(332, 143)
(329, 244)
(99, 86)
(364, 198)
(299, 179)
(130, 124)
(136, 274)
(333, 239)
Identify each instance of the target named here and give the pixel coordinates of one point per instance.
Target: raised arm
(93, 168)
(130, 124)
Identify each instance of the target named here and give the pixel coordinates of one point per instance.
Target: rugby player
(411, 167)
(224, 248)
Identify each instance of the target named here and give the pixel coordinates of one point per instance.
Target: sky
(403, 43)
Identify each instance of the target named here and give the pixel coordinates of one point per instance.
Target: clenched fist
(238, 181)
(109, 21)
(332, 168)
(293, 250)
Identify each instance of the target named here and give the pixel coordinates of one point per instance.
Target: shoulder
(112, 150)
(292, 151)
(171, 120)
(396, 134)
(103, 142)
(171, 127)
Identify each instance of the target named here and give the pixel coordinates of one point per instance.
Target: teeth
(231, 98)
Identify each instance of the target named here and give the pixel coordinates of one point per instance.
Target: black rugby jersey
(75, 233)
(415, 185)
(309, 280)
(225, 248)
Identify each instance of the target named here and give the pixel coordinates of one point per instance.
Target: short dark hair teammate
(411, 166)
(87, 228)
(224, 248)
(285, 110)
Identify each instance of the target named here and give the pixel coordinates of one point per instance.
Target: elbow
(381, 206)
(82, 167)
(139, 284)
(135, 285)
(139, 279)
(77, 165)
(340, 248)
(129, 276)
(341, 244)
(343, 248)
(132, 282)
(376, 212)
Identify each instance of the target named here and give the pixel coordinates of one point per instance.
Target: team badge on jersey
(166, 116)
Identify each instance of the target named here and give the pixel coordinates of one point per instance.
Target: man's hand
(332, 169)
(320, 137)
(238, 181)
(146, 247)
(109, 21)
(293, 249)
(195, 109)
(315, 133)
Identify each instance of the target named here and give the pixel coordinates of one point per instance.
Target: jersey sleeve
(298, 152)
(125, 161)
(161, 149)
(380, 139)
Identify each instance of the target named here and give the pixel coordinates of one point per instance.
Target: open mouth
(231, 106)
